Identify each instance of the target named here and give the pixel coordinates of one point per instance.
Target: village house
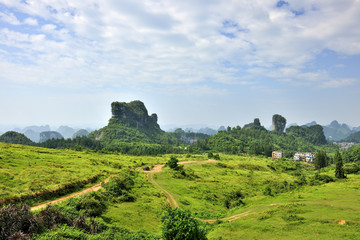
(304, 157)
(277, 155)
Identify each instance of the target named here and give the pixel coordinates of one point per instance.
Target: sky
(207, 62)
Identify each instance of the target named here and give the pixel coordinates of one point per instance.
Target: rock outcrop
(278, 123)
(130, 122)
(133, 114)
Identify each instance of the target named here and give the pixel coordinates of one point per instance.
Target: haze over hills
(34, 132)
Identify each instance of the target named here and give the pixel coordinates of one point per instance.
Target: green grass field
(282, 199)
(28, 170)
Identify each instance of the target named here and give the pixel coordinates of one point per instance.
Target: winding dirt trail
(172, 202)
(169, 197)
(90, 189)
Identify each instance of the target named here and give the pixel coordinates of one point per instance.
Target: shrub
(351, 168)
(268, 191)
(178, 224)
(234, 199)
(91, 204)
(173, 162)
(119, 185)
(51, 216)
(16, 222)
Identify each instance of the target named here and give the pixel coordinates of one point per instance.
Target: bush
(351, 168)
(234, 199)
(319, 179)
(119, 185)
(91, 204)
(51, 216)
(173, 162)
(178, 225)
(16, 222)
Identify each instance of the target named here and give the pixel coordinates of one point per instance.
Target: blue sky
(191, 62)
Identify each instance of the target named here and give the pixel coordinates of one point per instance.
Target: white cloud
(9, 18)
(117, 43)
(31, 21)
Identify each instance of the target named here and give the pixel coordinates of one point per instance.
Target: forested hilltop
(255, 139)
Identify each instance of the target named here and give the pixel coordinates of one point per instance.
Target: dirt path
(158, 168)
(90, 189)
(172, 202)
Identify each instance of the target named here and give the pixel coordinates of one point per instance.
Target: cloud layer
(111, 43)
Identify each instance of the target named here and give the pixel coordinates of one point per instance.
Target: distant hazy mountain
(356, 129)
(336, 131)
(354, 137)
(208, 131)
(313, 123)
(204, 130)
(222, 128)
(47, 135)
(34, 136)
(33, 132)
(38, 129)
(66, 131)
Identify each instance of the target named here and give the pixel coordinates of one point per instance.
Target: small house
(277, 155)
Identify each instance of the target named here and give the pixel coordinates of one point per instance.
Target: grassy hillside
(301, 204)
(27, 171)
(270, 199)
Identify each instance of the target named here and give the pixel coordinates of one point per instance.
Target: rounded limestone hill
(15, 138)
(130, 122)
(80, 133)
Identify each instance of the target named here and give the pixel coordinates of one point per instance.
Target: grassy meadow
(26, 171)
(282, 199)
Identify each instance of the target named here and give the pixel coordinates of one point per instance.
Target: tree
(321, 159)
(173, 162)
(339, 170)
(178, 224)
(278, 123)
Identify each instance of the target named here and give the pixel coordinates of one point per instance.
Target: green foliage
(339, 170)
(179, 225)
(351, 168)
(352, 154)
(321, 160)
(120, 186)
(15, 138)
(313, 134)
(91, 204)
(258, 141)
(173, 162)
(318, 179)
(234, 199)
